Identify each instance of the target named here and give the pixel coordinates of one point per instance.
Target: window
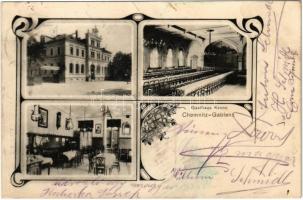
(98, 55)
(52, 64)
(71, 50)
(93, 54)
(51, 52)
(82, 52)
(180, 58)
(77, 52)
(102, 70)
(71, 68)
(82, 69)
(98, 44)
(153, 63)
(169, 58)
(126, 129)
(92, 42)
(98, 69)
(59, 51)
(77, 69)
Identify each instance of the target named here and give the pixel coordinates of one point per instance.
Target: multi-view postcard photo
(79, 140)
(205, 60)
(80, 59)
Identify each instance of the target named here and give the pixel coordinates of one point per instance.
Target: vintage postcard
(151, 99)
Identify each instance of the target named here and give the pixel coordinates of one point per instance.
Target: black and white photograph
(96, 140)
(198, 59)
(137, 100)
(80, 58)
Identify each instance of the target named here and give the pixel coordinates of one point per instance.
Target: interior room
(194, 60)
(79, 140)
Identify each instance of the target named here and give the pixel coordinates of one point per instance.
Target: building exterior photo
(66, 58)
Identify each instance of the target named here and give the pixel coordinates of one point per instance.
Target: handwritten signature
(267, 171)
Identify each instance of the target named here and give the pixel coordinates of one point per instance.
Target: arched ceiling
(202, 32)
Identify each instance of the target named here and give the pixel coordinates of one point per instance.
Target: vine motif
(155, 121)
(253, 26)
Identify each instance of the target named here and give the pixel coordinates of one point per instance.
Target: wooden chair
(99, 165)
(90, 162)
(116, 164)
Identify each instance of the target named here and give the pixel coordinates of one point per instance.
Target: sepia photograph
(199, 59)
(80, 59)
(80, 139)
(138, 100)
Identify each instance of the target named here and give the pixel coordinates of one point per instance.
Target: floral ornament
(156, 120)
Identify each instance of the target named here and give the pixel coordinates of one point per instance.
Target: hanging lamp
(69, 121)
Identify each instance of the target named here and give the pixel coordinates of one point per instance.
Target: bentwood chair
(99, 165)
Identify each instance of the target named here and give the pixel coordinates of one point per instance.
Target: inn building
(66, 58)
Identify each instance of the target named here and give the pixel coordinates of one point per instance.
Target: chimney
(76, 34)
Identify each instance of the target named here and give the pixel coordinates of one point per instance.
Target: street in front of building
(80, 88)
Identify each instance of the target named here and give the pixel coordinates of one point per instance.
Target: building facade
(66, 58)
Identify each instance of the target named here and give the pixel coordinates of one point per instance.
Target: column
(240, 62)
(202, 62)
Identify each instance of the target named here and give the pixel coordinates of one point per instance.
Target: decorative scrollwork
(22, 25)
(252, 26)
(137, 17)
(16, 181)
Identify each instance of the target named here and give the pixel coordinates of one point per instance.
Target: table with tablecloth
(70, 154)
(46, 162)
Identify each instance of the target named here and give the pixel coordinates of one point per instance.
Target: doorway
(92, 72)
(112, 134)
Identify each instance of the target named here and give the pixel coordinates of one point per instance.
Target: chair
(116, 164)
(78, 159)
(124, 155)
(91, 162)
(99, 165)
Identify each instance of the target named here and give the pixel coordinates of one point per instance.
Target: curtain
(85, 139)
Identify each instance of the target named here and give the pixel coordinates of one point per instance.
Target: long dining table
(187, 89)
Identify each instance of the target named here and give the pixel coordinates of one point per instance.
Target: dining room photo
(79, 139)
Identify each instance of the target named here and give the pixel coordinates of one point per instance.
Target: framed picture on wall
(98, 128)
(43, 120)
(126, 129)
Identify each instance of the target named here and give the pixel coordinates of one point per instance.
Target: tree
(35, 49)
(120, 67)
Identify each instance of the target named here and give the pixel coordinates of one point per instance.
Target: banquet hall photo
(199, 59)
(85, 140)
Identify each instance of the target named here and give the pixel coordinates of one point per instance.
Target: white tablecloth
(70, 154)
(196, 85)
(110, 158)
(45, 160)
